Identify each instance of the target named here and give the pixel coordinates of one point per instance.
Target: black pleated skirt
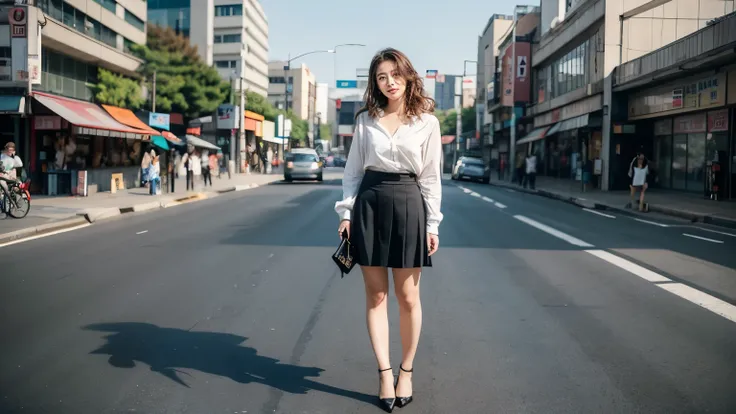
(389, 222)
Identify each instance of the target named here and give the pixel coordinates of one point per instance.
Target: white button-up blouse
(414, 148)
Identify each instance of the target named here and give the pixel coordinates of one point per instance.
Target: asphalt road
(232, 305)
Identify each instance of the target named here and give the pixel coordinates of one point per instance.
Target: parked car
(302, 164)
(471, 169)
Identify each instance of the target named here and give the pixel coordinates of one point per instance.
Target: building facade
(509, 94)
(231, 35)
(677, 105)
(301, 85)
(488, 44)
(581, 44)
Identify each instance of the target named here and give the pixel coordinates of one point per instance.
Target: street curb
(44, 228)
(94, 215)
(687, 215)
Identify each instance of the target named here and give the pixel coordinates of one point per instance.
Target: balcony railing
(719, 34)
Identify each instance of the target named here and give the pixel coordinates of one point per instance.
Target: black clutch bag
(343, 256)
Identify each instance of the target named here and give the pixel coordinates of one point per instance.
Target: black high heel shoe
(403, 401)
(387, 404)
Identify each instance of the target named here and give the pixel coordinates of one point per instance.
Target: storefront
(571, 146)
(69, 136)
(684, 128)
(12, 124)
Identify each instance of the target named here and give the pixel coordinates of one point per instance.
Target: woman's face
(391, 84)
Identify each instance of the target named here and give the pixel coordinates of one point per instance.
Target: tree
(184, 83)
(448, 121)
(325, 132)
(117, 90)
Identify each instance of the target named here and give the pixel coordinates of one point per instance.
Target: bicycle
(17, 201)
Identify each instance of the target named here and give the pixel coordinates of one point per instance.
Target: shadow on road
(168, 350)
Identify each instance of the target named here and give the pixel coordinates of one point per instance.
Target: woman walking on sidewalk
(391, 207)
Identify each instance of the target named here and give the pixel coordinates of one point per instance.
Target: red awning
(88, 118)
(171, 137)
(447, 139)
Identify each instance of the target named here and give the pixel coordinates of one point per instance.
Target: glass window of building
(64, 75)
(226, 64)
(229, 38)
(135, 21)
(229, 10)
(175, 14)
(110, 5)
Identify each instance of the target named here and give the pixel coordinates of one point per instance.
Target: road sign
(431, 73)
(346, 84)
(521, 67)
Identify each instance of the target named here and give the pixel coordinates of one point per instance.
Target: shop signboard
(718, 121)
(157, 120)
(47, 122)
(685, 95)
(690, 124)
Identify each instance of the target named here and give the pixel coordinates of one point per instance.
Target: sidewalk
(688, 206)
(49, 213)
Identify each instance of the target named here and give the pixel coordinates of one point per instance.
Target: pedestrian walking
(638, 172)
(154, 175)
(530, 177)
(391, 207)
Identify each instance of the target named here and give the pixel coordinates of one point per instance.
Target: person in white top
(638, 171)
(391, 207)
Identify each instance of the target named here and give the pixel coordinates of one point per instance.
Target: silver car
(472, 169)
(302, 165)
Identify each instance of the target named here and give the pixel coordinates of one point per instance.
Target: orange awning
(127, 117)
(255, 116)
(250, 124)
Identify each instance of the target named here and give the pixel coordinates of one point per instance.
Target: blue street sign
(347, 84)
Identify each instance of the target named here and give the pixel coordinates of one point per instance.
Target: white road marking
(467, 191)
(631, 267)
(499, 205)
(142, 232)
(10, 243)
(510, 190)
(474, 194)
(554, 232)
(599, 213)
(490, 200)
(716, 231)
(702, 238)
(688, 293)
(653, 223)
(702, 299)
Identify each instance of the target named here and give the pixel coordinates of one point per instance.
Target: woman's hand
(433, 243)
(344, 227)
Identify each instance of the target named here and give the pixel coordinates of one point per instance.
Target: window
(108, 4)
(128, 45)
(277, 79)
(66, 76)
(135, 21)
(226, 64)
(229, 38)
(229, 10)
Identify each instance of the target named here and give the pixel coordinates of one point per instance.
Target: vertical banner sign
(18, 19)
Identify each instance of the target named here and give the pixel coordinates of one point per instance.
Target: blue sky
(434, 34)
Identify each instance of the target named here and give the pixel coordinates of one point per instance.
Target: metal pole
(287, 69)
(512, 68)
(241, 133)
(153, 98)
(459, 121)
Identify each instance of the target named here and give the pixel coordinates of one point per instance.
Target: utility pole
(459, 120)
(512, 69)
(153, 98)
(241, 147)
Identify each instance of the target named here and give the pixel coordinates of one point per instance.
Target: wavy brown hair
(416, 100)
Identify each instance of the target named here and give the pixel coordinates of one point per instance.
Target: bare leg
(641, 198)
(633, 195)
(376, 305)
(406, 283)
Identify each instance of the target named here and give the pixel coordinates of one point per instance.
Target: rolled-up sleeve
(353, 175)
(430, 178)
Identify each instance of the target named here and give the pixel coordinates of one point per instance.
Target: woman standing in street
(391, 207)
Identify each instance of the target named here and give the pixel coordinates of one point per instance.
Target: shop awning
(199, 142)
(88, 118)
(12, 104)
(583, 121)
(160, 141)
(172, 138)
(128, 118)
(555, 129)
(535, 135)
